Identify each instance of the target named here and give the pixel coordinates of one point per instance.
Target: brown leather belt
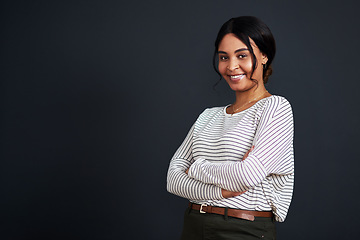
(238, 213)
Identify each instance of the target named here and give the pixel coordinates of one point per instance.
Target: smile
(237, 77)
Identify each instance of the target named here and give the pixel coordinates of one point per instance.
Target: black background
(96, 96)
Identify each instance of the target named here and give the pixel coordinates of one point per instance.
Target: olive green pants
(206, 226)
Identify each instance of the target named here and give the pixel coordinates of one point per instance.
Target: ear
(264, 58)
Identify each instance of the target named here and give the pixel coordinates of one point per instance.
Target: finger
(239, 193)
(245, 156)
(247, 153)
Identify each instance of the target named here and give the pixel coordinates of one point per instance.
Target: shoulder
(276, 102)
(211, 112)
(209, 115)
(273, 105)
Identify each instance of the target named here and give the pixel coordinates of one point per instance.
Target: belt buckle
(201, 207)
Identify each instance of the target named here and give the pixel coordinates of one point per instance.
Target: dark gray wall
(96, 96)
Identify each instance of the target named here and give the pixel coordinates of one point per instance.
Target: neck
(244, 97)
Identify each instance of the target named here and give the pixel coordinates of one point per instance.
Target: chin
(241, 87)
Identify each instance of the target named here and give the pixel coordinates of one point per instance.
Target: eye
(242, 56)
(223, 58)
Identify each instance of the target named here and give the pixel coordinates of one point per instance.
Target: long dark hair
(246, 27)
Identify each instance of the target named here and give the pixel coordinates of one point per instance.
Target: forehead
(231, 42)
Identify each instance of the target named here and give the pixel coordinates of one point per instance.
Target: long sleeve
(272, 155)
(179, 183)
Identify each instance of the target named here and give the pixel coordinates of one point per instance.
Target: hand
(228, 194)
(247, 153)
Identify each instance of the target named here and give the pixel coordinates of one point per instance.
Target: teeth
(237, 76)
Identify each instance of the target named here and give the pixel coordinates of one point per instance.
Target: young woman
(236, 164)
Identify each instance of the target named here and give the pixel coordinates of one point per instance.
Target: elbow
(169, 184)
(169, 187)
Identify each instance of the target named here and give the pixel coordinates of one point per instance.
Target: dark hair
(246, 27)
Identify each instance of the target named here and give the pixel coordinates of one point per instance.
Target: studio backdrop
(96, 96)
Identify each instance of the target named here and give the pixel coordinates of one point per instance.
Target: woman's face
(235, 63)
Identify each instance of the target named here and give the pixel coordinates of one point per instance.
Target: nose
(233, 65)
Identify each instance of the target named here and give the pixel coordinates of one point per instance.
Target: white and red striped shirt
(213, 150)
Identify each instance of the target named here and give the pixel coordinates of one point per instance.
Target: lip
(236, 77)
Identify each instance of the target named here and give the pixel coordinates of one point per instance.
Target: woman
(236, 164)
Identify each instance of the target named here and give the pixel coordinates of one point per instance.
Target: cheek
(222, 69)
(247, 66)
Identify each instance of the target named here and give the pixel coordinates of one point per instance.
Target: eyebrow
(238, 50)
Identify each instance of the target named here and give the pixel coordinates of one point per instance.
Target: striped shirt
(213, 151)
